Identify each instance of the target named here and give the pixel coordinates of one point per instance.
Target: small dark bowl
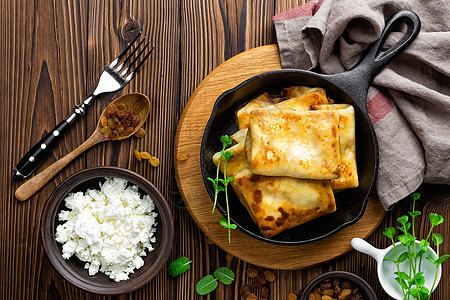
(73, 269)
(365, 289)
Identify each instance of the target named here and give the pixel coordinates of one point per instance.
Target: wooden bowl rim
(162, 247)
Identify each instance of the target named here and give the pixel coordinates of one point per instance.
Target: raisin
(114, 135)
(345, 293)
(135, 119)
(325, 285)
(270, 276)
(111, 109)
(137, 154)
(103, 121)
(120, 114)
(140, 133)
(314, 296)
(122, 106)
(154, 161)
(251, 296)
(264, 292)
(256, 284)
(244, 290)
(127, 131)
(292, 296)
(251, 272)
(336, 281)
(145, 155)
(182, 156)
(346, 285)
(111, 123)
(120, 128)
(106, 130)
(261, 278)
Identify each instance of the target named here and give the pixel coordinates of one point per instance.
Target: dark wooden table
(52, 53)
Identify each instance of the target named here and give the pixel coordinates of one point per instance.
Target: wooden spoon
(135, 101)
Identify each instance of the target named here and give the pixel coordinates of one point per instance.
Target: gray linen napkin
(409, 100)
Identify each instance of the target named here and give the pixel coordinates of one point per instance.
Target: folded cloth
(409, 100)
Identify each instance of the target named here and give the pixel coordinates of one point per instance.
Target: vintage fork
(112, 79)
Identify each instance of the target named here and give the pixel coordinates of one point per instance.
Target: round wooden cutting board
(190, 183)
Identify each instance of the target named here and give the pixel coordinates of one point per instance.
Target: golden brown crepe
(301, 98)
(239, 136)
(297, 91)
(276, 203)
(301, 144)
(280, 203)
(349, 174)
(243, 112)
(303, 101)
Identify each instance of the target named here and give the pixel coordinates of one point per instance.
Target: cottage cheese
(109, 229)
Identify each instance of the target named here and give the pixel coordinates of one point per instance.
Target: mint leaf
(414, 291)
(418, 279)
(403, 257)
(402, 220)
(437, 239)
(389, 259)
(436, 219)
(424, 245)
(402, 275)
(407, 225)
(430, 259)
(441, 259)
(415, 196)
(389, 232)
(224, 275)
(226, 140)
(179, 266)
(206, 285)
(420, 253)
(403, 239)
(401, 282)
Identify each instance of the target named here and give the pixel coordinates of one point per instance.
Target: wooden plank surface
(52, 53)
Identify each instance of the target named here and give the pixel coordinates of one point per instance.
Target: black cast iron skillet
(348, 87)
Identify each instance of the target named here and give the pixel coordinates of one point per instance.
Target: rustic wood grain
(52, 53)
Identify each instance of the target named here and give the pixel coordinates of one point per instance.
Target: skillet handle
(356, 81)
(376, 59)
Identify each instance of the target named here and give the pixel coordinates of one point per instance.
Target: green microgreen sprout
(413, 283)
(220, 185)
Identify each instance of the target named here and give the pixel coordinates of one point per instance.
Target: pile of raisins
(119, 122)
(330, 289)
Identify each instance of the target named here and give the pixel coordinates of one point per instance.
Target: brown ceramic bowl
(73, 269)
(365, 289)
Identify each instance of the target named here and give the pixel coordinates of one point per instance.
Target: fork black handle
(37, 154)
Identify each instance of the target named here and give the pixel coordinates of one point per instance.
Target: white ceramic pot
(386, 269)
